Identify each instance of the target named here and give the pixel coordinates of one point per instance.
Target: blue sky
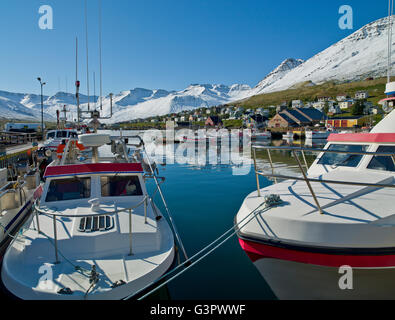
(167, 44)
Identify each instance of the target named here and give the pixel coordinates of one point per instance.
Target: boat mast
(87, 52)
(100, 55)
(390, 14)
(77, 84)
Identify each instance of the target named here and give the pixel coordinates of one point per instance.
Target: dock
(10, 155)
(11, 138)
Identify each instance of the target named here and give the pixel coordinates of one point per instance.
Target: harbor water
(204, 199)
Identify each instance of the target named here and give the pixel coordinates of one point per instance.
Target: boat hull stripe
(257, 251)
(362, 137)
(93, 168)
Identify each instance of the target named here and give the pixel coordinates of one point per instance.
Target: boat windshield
(69, 189)
(51, 135)
(383, 163)
(61, 134)
(343, 159)
(118, 186)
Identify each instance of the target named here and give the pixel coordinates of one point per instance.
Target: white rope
(209, 252)
(185, 263)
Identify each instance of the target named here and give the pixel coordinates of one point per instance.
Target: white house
(262, 111)
(341, 97)
(345, 104)
(323, 99)
(361, 95)
(335, 109)
(319, 105)
(297, 104)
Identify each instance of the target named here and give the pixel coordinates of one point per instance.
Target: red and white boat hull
(305, 273)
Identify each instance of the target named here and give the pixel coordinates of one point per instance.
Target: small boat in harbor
(315, 134)
(95, 228)
(261, 134)
(287, 136)
(56, 137)
(306, 231)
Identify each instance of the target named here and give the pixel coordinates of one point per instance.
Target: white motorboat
(289, 135)
(56, 137)
(328, 233)
(315, 134)
(96, 230)
(261, 135)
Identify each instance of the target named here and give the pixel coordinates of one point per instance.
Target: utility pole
(42, 107)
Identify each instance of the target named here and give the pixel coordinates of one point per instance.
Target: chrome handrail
(379, 154)
(305, 178)
(159, 189)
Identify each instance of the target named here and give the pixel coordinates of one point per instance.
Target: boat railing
(304, 177)
(55, 214)
(158, 187)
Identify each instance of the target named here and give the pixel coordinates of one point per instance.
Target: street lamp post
(42, 107)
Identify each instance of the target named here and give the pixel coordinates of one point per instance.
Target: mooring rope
(268, 203)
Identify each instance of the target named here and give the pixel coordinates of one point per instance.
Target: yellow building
(347, 122)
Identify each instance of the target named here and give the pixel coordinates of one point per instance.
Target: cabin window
(118, 186)
(51, 135)
(73, 135)
(383, 163)
(343, 159)
(61, 134)
(68, 189)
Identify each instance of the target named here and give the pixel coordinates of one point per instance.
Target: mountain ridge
(360, 55)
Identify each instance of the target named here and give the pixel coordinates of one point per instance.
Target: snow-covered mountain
(127, 105)
(10, 109)
(276, 75)
(362, 54)
(142, 103)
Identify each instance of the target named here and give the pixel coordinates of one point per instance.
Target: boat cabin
(101, 181)
(380, 143)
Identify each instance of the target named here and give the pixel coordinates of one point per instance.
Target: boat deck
(347, 210)
(152, 246)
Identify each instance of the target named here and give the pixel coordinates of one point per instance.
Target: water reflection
(224, 152)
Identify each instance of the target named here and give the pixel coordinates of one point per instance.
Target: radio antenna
(87, 52)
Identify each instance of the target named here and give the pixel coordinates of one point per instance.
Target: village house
(323, 99)
(319, 105)
(341, 97)
(347, 122)
(367, 106)
(375, 110)
(280, 108)
(297, 104)
(235, 115)
(361, 95)
(296, 118)
(213, 121)
(255, 121)
(334, 109)
(262, 111)
(346, 104)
